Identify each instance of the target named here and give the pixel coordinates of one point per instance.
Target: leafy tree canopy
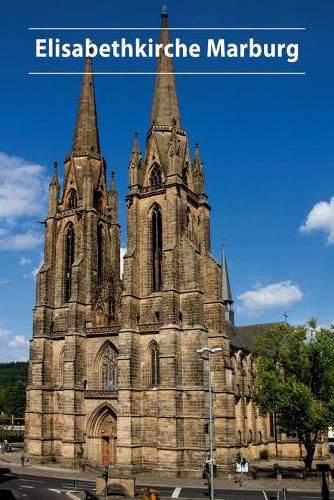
(295, 380)
(13, 379)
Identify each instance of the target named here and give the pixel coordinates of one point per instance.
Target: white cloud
(33, 273)
(267, 297)
(23, 241)
(23, 187)
(25, 262)
(4, 334)
(321, 218)
(18, 341)
(3, 281)
(8, 341)
(23, 196)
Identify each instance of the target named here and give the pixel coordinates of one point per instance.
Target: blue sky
(266, 143)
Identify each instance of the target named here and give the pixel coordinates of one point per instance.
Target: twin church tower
(114, 373)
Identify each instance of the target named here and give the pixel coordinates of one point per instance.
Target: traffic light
(206, 428)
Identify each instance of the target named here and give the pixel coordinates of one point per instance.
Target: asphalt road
(14, 486)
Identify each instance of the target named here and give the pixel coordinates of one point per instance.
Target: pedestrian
(23, 459)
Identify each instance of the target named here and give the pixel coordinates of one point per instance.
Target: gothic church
(114, 373)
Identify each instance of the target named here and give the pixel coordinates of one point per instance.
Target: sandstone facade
(115, 377)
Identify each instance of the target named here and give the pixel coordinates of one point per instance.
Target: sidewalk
(12, 461)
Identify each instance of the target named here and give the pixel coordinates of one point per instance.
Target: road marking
(176, 493)
(30, 487)
(55, 491)
(30, 480)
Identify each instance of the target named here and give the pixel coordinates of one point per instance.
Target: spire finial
(135, 147)
(55, 173)
(165, 107)
(86, 134)
(197, 158)
(112, 183)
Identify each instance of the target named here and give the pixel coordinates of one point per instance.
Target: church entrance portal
(102, 437)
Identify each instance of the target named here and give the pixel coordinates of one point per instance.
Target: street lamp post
(209, 352)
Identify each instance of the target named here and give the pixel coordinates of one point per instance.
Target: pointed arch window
(69, 259)
(99, 255)
(155, 176)
(72, 199)
(109, 369)
(154, 364)
(156, 248)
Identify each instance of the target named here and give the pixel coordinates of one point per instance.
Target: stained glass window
(109, 369)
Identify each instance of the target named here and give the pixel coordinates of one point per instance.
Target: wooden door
(105, 450)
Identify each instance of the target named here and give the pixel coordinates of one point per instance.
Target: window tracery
(109, 369)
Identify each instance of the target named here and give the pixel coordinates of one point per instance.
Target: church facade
(114, 374)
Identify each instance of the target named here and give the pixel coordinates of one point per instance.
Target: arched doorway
(107, 432)
(102, 436)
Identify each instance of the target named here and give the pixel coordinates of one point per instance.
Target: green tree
(16, 399)
(295, 380)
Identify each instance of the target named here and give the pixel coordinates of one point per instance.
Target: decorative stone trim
(149, 327)
(100, 394)
(104, 330)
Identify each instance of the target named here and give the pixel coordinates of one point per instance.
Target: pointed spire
(198, 172)
(197, 159)
(53, 192)
(165, 109)
(226, 288)
(134, 164)
(86, 134)
(112, 183)
(135, 147)
(113, 198)
(54, 180)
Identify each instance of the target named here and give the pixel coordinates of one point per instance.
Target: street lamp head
(211, 351)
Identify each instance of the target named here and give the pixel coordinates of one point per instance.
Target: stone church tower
(115, 377)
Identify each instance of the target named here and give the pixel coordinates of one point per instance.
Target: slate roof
(243, 337)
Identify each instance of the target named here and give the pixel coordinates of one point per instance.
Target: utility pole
(209, 352)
